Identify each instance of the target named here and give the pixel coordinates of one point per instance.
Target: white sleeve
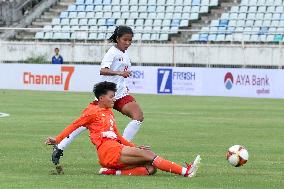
(108, 59)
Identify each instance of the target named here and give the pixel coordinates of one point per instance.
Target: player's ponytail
(120, 31)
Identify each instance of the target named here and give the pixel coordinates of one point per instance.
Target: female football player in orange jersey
(117, 155)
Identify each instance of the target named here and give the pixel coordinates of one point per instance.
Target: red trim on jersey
(119, 103)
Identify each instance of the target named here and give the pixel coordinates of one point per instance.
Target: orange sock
(137, 171)
(168, 166)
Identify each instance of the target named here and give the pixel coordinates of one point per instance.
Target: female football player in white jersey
(115, 67)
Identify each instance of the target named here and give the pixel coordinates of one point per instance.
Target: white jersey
(116, 60)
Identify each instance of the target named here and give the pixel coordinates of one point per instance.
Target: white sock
(118, 172)
(66, 141)
(131, 129)
(183, 171)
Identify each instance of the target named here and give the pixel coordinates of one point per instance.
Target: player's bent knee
(149, 155)
(138, 117)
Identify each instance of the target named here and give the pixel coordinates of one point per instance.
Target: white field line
(4, 114)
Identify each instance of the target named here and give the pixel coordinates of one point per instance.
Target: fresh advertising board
(258, 83)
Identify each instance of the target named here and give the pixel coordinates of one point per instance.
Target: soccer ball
(237, 155)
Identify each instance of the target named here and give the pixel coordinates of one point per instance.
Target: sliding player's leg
(58, 149)
(131, 156)
(136, 156)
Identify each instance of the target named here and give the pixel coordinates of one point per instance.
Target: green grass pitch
(176, 127)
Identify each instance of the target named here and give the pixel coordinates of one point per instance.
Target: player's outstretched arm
(84, 120)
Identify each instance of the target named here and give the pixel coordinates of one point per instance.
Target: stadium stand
(11, 11)
(250, 21)
(152, 20)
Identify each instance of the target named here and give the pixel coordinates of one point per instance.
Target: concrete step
(43, 20)
(40, 24)
(65, 4)
(210, 17)
(228, 4)
(197, 25)
(68, 1)
(56, 10)
(24, 37)
(28, 32)
(48, 17)
(217, 11)
(50, 14)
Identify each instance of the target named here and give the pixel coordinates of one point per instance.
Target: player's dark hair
(120, 31)
(103, 87)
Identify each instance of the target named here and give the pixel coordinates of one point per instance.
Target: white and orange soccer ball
(237, 155)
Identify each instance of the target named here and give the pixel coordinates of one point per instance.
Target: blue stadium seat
(157, 23)
(106, 2)
(79, 2)
(203, 37)
(88, 2)
(89, 8)
(48, 35)
(64, 21)
(195, 2)
(83, 21)
(71, 8)
(124, 2)
(80, 8)
(166, 22)
(212, 37)
(146, 36)
(134, 15)
(175, 23)
(152, 2)
(151, 8)
(101, 36)
(97, 2)
(72, 15)
(39, 35)
(107, 8)
(223, 23)
(174, 30)
(107, 15)
(81, 15)
(64, 15)
(164, 37)
(184, 23)
(186, 9)
(155, 37)
(170, 2)
(110, 22)
(55, 21)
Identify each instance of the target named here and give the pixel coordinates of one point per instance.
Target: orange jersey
(96, 120)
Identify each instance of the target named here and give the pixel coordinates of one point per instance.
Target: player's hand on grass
(50, 141)
(109, 134)
(143, 147)
(125, 74)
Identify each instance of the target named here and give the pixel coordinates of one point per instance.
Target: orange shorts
(119, 103)
(109, 154)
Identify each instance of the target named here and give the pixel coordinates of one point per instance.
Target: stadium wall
(151, 54)
(256, 83)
